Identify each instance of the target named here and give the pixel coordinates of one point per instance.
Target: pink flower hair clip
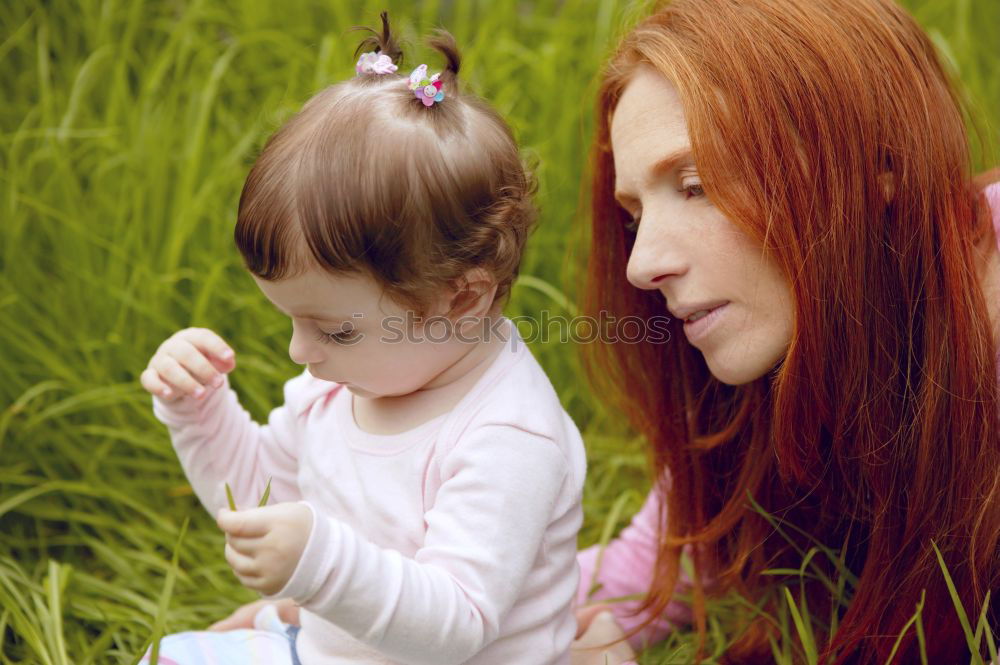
(374, 63)
(427, 90)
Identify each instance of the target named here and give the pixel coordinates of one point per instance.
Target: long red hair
(830, 133)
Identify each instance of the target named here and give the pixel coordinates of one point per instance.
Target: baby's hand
(264, 545)
(187, 363)
(242, 617)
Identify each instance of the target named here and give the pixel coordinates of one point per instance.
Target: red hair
(829, 133)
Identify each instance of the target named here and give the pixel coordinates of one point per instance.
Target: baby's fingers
(241, 618)
(212, 346)
(178, 377)
(194, 360)
(150, 380)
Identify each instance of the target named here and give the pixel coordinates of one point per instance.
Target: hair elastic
(374, 62)
(427, 90)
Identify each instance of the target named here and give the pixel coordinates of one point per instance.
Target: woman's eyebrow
(670, 161)
(661, 166)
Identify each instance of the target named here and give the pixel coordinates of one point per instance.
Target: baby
(425, 481)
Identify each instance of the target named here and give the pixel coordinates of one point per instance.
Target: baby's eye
(345, 334)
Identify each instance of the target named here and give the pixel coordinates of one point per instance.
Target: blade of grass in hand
(229, 495)
(267, 493)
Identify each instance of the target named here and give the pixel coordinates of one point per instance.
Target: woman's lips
(696, 330)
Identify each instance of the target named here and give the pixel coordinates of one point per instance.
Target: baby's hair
(384, 42)
(366, 179)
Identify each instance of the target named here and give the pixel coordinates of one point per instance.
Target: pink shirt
(993, 198)
(626, 566)
(454, 542)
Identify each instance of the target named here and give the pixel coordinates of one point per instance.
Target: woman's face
(685, 248)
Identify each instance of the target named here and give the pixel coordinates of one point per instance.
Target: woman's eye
(633, 225)
(693, 190)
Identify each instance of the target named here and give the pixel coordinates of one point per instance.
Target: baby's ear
(472, 295)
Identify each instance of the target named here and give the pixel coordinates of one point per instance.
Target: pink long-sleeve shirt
(453, 542)
(626, 565)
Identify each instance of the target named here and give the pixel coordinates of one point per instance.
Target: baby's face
(345, 329)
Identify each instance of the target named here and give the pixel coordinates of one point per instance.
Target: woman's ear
(472, 295)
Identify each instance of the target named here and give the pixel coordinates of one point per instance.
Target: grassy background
(126, 130)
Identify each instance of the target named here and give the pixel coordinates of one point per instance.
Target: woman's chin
(736, 371)
(731, 377)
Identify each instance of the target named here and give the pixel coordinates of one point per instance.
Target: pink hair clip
(374, 63)
(427, 90)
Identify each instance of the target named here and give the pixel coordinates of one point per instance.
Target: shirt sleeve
(218, 442)
(500, 488)
(992, 193)
(626, 568)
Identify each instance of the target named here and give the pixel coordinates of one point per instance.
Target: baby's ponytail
(381, 42)
(444, 43)
(384, 43)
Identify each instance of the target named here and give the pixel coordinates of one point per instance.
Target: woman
(800, 171)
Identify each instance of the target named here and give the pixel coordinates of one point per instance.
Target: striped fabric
(270, 642)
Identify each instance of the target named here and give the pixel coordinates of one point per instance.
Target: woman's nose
(651, 262)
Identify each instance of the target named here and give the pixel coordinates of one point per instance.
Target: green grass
(126, 130)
